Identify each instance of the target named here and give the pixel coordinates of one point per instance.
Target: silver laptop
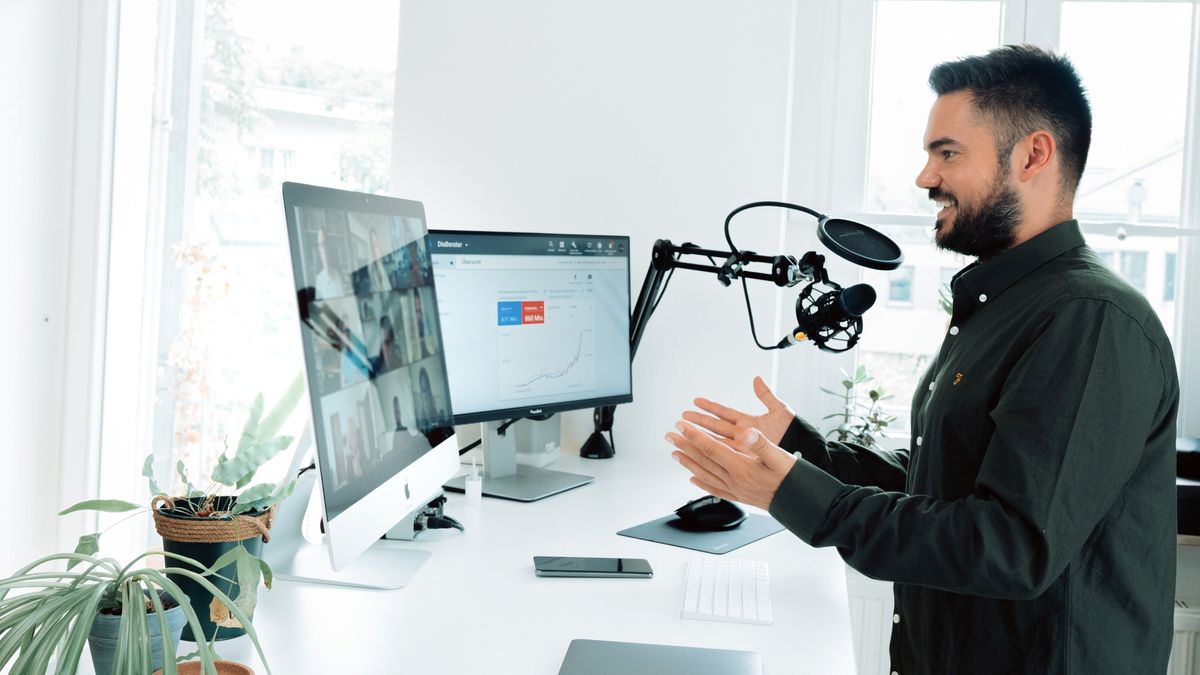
(600, 657)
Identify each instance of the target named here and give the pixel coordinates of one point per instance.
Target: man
(1030, 524)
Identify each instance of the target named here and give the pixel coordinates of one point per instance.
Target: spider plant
(47, 614)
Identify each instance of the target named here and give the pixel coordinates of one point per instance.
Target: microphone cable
(736, 251)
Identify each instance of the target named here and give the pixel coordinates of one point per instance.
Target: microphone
(830, 316)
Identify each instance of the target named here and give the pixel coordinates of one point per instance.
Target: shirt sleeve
(848, 462)
(1071, 425)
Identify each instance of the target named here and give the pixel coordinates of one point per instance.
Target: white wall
(57, 66)
(38, 43)
(647, 119)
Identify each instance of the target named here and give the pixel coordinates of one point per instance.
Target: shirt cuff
(803, 438)
(803, 499)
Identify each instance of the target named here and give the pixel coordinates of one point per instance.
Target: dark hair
(1021, 89)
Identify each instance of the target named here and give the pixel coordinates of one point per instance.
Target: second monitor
(533, 324)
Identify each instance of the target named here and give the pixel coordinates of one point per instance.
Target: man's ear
(1034, 155)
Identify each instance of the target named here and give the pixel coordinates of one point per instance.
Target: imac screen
(372, 339)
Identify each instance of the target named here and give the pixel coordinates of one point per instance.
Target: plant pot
(102, 640)
(223, 668)
(205, 539)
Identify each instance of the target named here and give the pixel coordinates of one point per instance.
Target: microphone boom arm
(665, 258)
(828, 312)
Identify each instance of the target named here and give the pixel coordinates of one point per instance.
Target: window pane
(1133, 268)
(1169, 279)
(298, 91)
(1135, 166)
(900, 285)
(900, 95)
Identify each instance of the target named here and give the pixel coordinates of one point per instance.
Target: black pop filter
(859, 244)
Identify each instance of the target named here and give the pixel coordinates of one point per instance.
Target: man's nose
(927, 178)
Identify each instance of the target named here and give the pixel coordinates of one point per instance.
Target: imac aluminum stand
(505, 479)
(294, 558)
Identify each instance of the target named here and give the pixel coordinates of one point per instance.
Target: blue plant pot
(102, 640)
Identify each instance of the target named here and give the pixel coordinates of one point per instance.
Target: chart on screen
(546, 348)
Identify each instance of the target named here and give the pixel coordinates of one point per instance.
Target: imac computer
(382, 423)
(533, 324)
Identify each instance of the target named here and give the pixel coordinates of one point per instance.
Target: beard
(983, 230)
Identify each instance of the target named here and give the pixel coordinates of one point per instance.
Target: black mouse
(709, 513)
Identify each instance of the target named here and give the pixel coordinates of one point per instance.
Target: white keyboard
(728, 589)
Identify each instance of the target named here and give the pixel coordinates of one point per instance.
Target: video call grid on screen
(533, 322)
(377, 371)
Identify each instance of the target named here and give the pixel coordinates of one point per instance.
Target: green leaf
(247, 500)
(248, 575)
(228, 558)
(267, 574)
(847, 384)
(246, 462)
(274, 420)
(148, 472)
(831, 392)
(250, 430)
(106, 505)
(89, 544)
(264, 502)
(181, 470)
(860, 373)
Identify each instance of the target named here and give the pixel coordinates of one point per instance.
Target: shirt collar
(982, 281)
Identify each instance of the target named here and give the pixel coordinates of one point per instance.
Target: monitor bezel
(565, 406)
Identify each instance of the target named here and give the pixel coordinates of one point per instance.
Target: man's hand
(747, 468)
(728, 422)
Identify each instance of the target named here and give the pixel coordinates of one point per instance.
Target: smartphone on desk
(551, 566)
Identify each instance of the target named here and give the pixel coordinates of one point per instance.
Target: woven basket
(178, 525)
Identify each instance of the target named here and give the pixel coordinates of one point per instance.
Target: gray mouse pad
(755, 527)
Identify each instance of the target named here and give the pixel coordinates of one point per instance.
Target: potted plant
(130, 616)
(861, 422)
(206, 526)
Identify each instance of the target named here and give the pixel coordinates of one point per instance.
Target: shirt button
(983, 297)
(895, 618)
(895, 673)
(919, 439)
(954, 330)
(931, 384)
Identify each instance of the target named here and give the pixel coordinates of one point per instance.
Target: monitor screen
(533, 323)
(372, 339)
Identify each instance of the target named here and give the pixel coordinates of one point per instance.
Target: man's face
(980, 208)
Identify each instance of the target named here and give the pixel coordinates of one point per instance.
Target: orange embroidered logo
(957, 378)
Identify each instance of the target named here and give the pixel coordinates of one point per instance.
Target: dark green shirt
(1030, 525)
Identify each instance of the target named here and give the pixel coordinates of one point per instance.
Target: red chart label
(533, 312)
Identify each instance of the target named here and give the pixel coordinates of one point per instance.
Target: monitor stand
(505, 479)
(294, 558)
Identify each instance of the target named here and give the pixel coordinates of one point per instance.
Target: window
(901, 335)
(1129, 201)
(273, 92)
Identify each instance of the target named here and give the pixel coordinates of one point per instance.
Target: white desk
(477, 607)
